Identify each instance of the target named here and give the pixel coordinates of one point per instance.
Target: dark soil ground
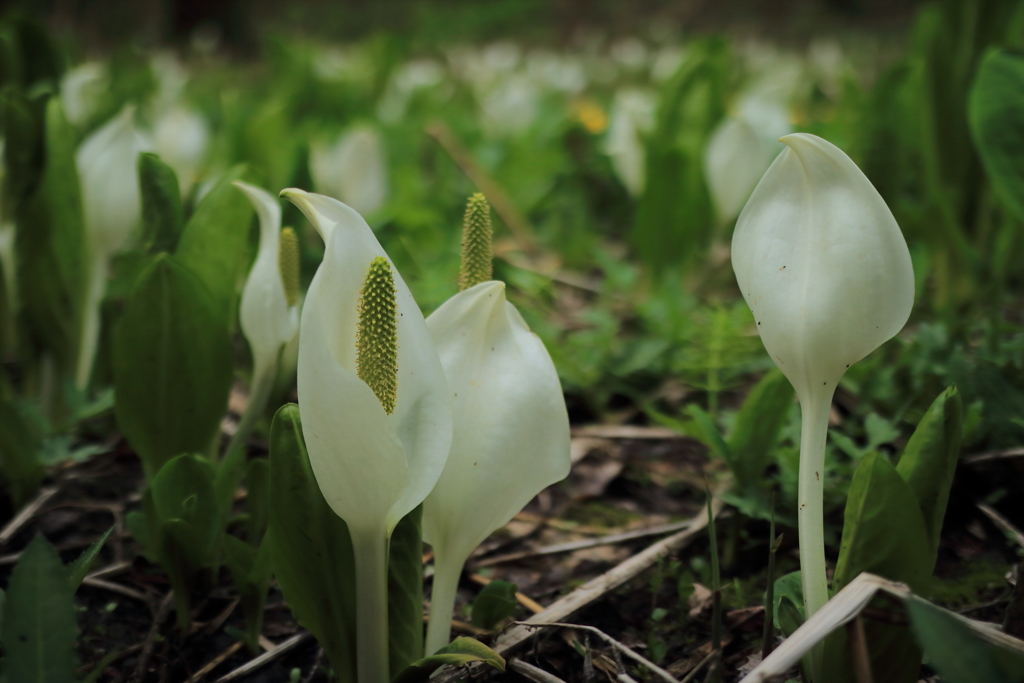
(619, 483)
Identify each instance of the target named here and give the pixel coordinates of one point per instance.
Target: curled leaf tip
(377, 334)
(477, 250)
(288, 264)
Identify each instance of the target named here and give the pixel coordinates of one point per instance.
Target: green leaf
(790, 587)
(257, 486)
(929, 462)
(251, 570)
(708, 433)
(215, 243)
(462, 650)
(162, 215)
(788, 616)
(50, 243)
(405, 592)
(39, 619)
(757, 426)
(496, 602)
(310, 547)
(996, 115)
(19, 451)
(38, 57)
(172, 365)
(884, 533)
(957, 654)
(80, 567)
(190, 524)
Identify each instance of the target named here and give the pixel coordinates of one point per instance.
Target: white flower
(740, 150)
(511, 433)
(181, 139)
(353, 169)
(82, 89)
(631, 117)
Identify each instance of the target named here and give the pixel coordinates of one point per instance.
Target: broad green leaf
(189, 527)
(310, 547)
(495, 603)
(19, 454)
(40, 621)
(80, 567)
(757, 426)
(462, 650)
(162, 215)
(884, 533)
(24, 150)
(929, 462)
(956, 653)
(996, 114)
(183, 492)
(405, 592)
(172, 365)
(788, 616)
(215, 243)
(789, 586)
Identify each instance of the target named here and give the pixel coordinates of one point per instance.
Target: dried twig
(700, 665)
(110, 570)
(27, 513)
(534, 673)
(627, 432)
(859, 651)
(989, 456)
(509, 212)
(147, 648)
(610, 539)
(593, 590)
(651, 666)
(1004, 524)
(115, 588)
(215, 662)
(264, 658)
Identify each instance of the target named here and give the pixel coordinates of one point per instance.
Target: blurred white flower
(740, 150)
(825, 58)
(556, 72)
(406, 80)
(82, 89)
(630, 53)
(353, 169)
(632, 116)
(667, 62)
(181, 137)
(511, 106)
(112, 207)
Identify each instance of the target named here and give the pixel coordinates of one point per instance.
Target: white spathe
(511, 428)
(267, 321)
(181, 138)
(632, 116)
(511, 433)
(741, 149)
(372, 468)
(821, 262)
(107, 168)
(82, 89)
(354, 169)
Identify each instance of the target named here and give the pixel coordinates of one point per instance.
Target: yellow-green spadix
(372, 466)
(826, 272)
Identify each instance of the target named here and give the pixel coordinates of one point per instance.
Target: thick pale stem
(370, 548)
(90, 335)
(263, 376)
(810, 514)
(447, 570)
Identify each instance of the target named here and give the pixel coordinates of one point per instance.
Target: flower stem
(370, 548)
(90, 333)
(447, 571)
(263, 376)
(810, 512)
